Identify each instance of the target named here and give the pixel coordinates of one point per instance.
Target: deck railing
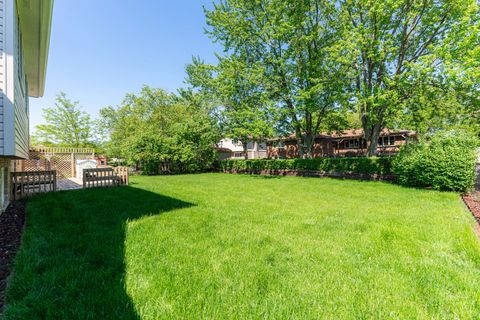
(25, 184)
(105, 177)
(122, 173)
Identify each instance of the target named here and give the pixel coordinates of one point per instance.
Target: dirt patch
(12, 223)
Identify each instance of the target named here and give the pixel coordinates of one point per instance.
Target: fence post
(72, 156)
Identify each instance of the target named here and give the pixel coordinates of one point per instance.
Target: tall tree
(155, 127)
(66, 125)
(286, 45)
(244, 112)
(393, 49)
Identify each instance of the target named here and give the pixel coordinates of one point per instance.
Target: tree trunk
(298, 135)
(308, 136)
(371, 136)
(308, 142)
(245, 149)
(371, 129)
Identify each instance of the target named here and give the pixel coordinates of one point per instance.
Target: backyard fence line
(27, 183)
(62, 150)
(63, 160)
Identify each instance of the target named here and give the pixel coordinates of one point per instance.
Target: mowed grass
(218, 246)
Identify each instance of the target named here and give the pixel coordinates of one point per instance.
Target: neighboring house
(347, 143)
(101, 160)
(233, 149)
(25, 37)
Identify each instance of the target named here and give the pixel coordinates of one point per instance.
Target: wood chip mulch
(12, 223)
(473, 203)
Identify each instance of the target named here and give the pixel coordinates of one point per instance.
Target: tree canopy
(243, 111)
(299, 67)
(393, 63)
(66, 125)
(155, 128)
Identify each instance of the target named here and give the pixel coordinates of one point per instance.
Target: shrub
(380, 165)
(446, 162)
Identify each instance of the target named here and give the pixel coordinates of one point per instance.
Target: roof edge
(35, 23)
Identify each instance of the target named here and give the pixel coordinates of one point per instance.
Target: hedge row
(363, 165)
(446, 162)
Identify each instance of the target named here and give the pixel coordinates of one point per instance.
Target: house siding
(2, 73)
(20, 98)
(14, 137)
(14, 119)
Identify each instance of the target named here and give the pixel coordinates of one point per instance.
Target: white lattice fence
(62, 160)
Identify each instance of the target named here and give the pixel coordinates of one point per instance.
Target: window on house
(351, 144)
(386, 141)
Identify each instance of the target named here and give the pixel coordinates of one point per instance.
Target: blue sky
(101, 50)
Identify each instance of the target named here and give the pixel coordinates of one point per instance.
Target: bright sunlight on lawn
(223, 246)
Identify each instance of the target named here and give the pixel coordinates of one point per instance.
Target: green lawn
(223, 246)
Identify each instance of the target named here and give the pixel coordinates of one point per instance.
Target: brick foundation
(6, 165)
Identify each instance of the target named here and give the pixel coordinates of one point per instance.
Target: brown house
(347, 143)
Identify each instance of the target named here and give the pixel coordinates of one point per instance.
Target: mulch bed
(473, 203)
(12, 223)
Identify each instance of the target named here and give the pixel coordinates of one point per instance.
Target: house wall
(14, 130)
(230, 144)
(14, 120)
(255, 150)
(2, 72)
(20, 98)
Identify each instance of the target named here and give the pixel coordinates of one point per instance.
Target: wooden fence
(104, 177)
(122, 173)
(28, 183)
(62, 160)
(61, 150)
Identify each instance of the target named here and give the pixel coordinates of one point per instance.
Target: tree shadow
(71, 264)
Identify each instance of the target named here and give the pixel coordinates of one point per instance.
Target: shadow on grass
(71, 262)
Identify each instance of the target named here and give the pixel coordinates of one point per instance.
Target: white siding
(14, 135)
(20, 98)
(2, 73)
